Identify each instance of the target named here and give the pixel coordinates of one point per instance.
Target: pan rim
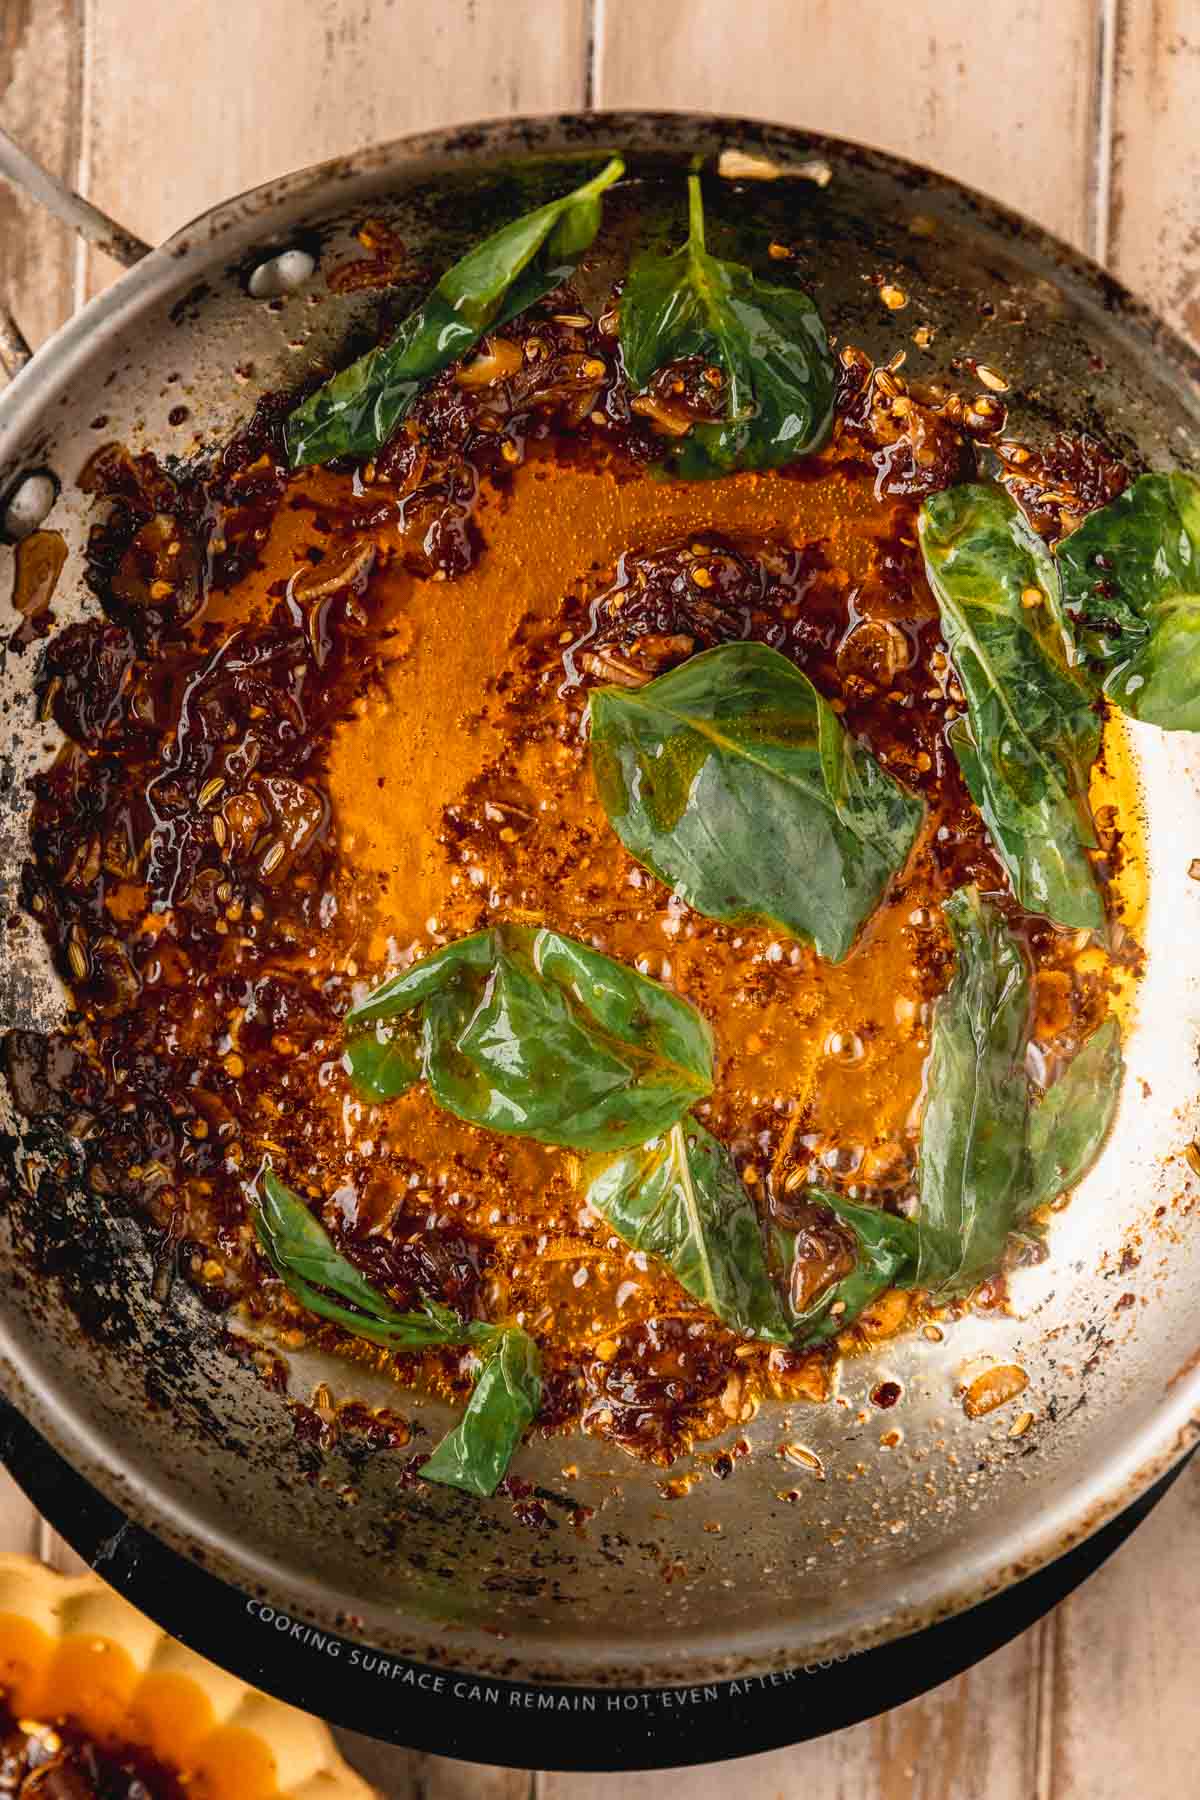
(1164, 1435)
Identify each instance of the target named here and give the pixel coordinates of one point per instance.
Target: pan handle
(17, 166)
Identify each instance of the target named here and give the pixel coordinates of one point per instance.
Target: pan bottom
(437, 1710)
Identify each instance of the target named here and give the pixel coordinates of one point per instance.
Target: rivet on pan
(281, 274)
(29, 503)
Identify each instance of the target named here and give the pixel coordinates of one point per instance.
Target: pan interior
(140, 1395)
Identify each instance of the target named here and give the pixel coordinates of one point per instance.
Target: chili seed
(803, 1458)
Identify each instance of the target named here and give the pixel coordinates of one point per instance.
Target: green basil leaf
(360, 408)
(463, 963)
(768, 340)
(508, 1392)
(530, 1033)
(973, 1167)
(476, 1454)
(887, 1254)
(1131, 581)
(302, 1254)
(384, 1061)
(732, 780)
(987, 1157)
(681, 1198)
(1031, 734)
(1068, 1126)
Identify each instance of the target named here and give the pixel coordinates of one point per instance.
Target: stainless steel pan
(140, 1396)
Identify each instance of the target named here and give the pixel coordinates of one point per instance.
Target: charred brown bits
(183, 861)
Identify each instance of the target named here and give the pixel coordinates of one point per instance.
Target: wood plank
(975, 1738)
(1002, 97)
(20, 1527)
(402, 1777)
(223, 107)
(1154, 228)
(438, 1778)
(972, 1739)
(1125, 1719)
(39, 106)
(56, 1551)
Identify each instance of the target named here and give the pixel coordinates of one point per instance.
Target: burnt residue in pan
(210, 923)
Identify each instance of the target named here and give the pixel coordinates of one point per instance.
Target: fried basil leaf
(767, 340)
(359, 409)
(530, 1033)
(886, 1253)
(732, 780)
(1068, 1126)
(987, 1157)
(1031, 734)
(973, 1165)
(1131, 582)
(302, 1254)
(384, 1061)
(507, 1394)
(680, 1198)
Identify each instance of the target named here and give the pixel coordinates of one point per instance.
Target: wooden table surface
(1083, 114)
